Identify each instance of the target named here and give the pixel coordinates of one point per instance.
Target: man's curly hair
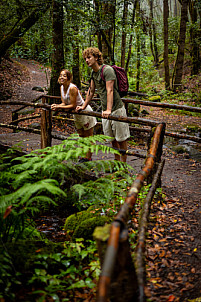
(94, 52)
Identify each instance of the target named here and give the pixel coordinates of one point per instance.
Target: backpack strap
(102, 75)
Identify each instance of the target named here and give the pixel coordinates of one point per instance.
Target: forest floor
(174, 242)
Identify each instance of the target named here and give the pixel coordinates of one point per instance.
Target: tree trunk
(58, 55)
(76, 61)
(123, 40)
(165, 37)
(98, 18)
(131, 36)
(178, 69)
(108, 17)
(22, 28)
(153, 38)
(138, 47)
(194, 37)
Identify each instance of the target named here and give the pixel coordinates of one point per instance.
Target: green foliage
(9, 278)
(102, 191)
(32, 183)
(52, 271)
(66, 270)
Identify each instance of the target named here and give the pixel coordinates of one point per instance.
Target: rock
(133, 110)
(38, 88)
(155, 98)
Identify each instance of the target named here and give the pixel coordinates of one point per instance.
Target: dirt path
(174, 245)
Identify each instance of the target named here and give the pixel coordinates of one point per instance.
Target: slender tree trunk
(58, 54)
(131, 36)
(114, 31)
(165, 37)
(108, 16)
(123, 39)
(98, 18)
(194, 38)
(178, 69)
(75, 44)
(76, 61)
(154, 46)
(138, 46)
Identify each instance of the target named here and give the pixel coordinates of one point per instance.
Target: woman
(71, 98)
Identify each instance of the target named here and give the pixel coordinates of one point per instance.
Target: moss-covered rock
(86, 228)
(74, 220)
(180, 149)
(133, 109)
(193, 128)
(155, 98)
(82, 224)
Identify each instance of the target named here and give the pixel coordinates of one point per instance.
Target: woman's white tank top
(66, 97)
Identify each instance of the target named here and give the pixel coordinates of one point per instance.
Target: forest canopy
(140, 36)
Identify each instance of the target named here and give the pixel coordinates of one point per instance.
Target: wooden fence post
(46, 127)
(14, 117)
(123, 285)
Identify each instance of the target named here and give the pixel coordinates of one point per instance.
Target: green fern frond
(24, 194)
(24, 177)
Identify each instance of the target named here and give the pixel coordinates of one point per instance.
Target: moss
(193, 128)
(102, 233)
(86, 228)
(179, 149)
(133, 109)
(155, 98)
(74, 220)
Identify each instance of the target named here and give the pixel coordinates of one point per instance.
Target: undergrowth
(48, 178)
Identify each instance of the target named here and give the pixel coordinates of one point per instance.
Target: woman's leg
(86, 133)
(115, 144)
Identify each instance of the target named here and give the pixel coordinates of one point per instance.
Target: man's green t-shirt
(100, 85)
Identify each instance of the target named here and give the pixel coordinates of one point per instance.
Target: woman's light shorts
(118, 130)
(84, 121)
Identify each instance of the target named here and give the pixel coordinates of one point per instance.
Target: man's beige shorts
(117, 130)
(83, 121)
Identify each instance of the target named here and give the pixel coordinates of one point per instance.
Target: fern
(34, 181)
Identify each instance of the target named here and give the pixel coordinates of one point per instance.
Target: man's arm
(89, 96)
(110, 93)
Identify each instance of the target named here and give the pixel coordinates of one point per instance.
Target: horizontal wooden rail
(129, 120)
(162, 105)
(125, 100)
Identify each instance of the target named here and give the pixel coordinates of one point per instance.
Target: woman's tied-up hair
(68, 75)
(94, 52)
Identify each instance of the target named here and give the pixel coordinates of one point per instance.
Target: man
(110, 99)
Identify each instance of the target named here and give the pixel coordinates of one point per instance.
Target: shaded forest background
(157, 42)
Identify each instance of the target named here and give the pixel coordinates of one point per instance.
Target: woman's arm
(89, 96)
(73, 95)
